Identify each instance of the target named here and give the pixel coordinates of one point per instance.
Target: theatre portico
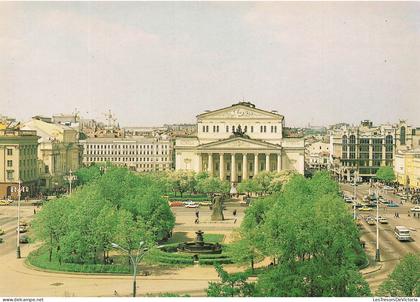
(237, 142)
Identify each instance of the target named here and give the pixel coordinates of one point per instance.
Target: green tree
(385, 174)
(309, 229)
(404, 281)
(182, 181)
(88, 174)
(231, 285)
(51, 224)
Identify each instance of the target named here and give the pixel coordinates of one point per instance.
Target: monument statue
(217, 213)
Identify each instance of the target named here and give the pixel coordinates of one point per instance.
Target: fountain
(199, 246)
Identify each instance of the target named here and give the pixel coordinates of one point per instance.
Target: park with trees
(301, 225)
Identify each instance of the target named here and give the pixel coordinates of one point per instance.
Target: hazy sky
(164, 62)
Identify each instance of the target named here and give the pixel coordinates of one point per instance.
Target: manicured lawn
(39, 258)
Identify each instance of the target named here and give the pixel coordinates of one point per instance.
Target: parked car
(22, 229)
(191, 204)
(388, 188)
(415, 209)
(364, 208)
(204, 203)
(384, 201)
(23, 239)
(4, 202)
(176, 204)
(392, 205)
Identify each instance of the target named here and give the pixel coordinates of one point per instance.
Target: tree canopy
(385, 174)
(308, 230)
(117, 206)
(404, 281)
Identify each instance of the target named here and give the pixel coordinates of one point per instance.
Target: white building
(137, 153)
(238, 142)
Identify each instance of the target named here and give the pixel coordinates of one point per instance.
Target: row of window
(389, 140)
(216, 129)
(111, 152)
(126, 159)
(120, 146)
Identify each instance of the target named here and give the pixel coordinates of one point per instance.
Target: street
(391, 249)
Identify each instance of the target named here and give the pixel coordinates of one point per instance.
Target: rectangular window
(10, 163)
(9, 151)
(9, 175)
(204, 128)
(261, 129)
(252, 130)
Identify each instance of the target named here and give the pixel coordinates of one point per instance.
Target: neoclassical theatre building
(238, 142)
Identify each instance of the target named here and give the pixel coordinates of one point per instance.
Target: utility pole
(18, 190)
(70, 178)
(378, 253)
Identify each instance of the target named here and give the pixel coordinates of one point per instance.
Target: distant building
(361, 150)
(58, 152)
(317, 154)
(238, 142)
(407, 168)
(144, 131)
(137, 153)
(18, 161)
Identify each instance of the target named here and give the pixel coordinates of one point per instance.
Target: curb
(373, 271)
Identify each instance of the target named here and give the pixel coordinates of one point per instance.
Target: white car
(415, 209)
(191, 204)
(388, 188)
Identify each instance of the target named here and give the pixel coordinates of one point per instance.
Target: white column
(244, 166)
(221, 166)
(233, 168)
(267, 162)
(210, 164)
(256, 164)
(278, 162)
(200, 162)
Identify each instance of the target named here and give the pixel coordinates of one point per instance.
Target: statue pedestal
(217, 214)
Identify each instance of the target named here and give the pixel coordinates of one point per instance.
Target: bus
(402, 233)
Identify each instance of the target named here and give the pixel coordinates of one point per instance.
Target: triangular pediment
(239, 111)
(238, 143)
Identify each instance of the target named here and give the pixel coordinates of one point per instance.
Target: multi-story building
(237, 142)
(317, 154)
(142, 154)
(58, 152)
(407, 168)
(363, 149)
(18, 161)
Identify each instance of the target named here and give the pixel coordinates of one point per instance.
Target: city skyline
(157, 63)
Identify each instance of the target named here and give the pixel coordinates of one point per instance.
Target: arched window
(402, 135)
(345, 140)
(352, 139)
(389, 140)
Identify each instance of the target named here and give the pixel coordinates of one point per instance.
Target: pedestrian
(34, 211)
(197, 213)
(115, 293)
(234, 212)
(234, 220)
(408, 214)
(196, 221)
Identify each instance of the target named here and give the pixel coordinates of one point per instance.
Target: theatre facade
(238, 142)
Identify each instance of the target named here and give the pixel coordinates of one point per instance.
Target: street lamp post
(70, 178)
(354, 195)
(134, 261)
(18, 190)
(378, 253)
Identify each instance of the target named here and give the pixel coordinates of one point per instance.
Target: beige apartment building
(141, 154)
(407, 168)
(58, 152)
(238, 142)
(18, 161)
(362, 150)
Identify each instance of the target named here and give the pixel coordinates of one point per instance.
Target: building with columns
(238, 142)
